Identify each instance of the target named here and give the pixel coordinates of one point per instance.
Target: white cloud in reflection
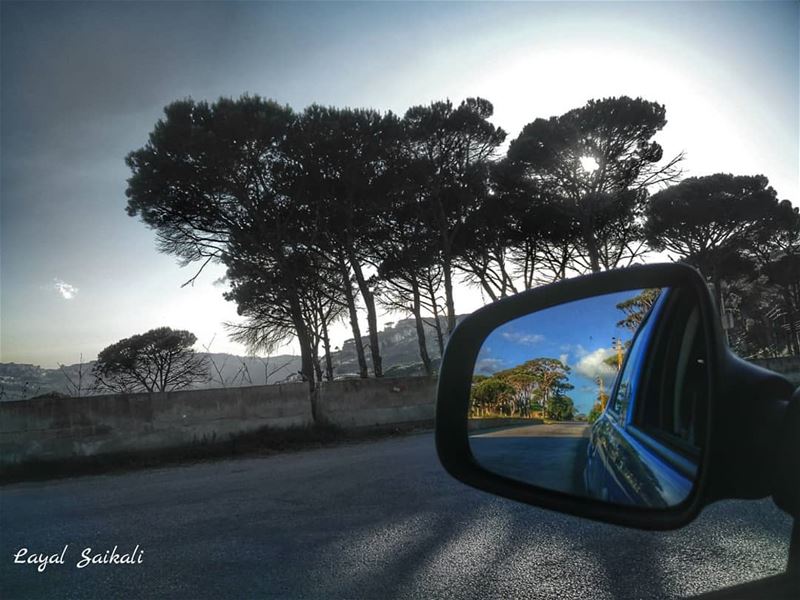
(593, 365)
(526, 339)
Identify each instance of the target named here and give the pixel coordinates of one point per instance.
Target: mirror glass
(602, 397)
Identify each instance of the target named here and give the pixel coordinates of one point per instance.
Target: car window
(627, 383)
(677, 385)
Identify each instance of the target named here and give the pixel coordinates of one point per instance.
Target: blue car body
(626, 464)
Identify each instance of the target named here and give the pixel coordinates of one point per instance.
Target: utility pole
(602, 393)
(617, 345)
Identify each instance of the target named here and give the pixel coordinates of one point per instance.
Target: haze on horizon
(83, 85)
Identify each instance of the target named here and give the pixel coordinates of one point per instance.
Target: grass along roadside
(263, 442)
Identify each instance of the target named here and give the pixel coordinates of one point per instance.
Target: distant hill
(230, 370)
(20, 381)
(398, 343)
(399, 350)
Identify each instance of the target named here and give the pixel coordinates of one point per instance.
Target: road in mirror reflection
(550, 455)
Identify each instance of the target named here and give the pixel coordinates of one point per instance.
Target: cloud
(488, 366)
(592, 364)
(526, 339)
(67, 291)
(577, 349)
(564, 358)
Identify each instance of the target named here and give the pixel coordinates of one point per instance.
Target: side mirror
(610, 396)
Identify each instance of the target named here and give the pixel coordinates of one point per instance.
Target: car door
(641, 456)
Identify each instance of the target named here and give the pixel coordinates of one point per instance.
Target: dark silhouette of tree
(484, 245)
(711, 222)
(202, 167)
(400, 288)
(281, 288)
(320, 215)
(515, 238)
(452, 148)
(542, 235)
(160, 360)
(784, 274)
(770, 302)
(605, 204)
(210, 183)
(405, 252)
(336, 158)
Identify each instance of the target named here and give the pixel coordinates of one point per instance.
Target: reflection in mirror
(602, 397)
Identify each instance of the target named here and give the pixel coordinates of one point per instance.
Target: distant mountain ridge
(20, 381)
(399, 349)
(398, 343)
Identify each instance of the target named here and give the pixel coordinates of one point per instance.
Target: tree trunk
(717, 281)
(306, 354)
(326, 345)
(306, 360)
(372, 317)
(351, 307)
(794, 339)
(434, 309)
(448, 294)
(591, 247)
(423, 349)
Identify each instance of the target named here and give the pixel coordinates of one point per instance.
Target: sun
(589, 164)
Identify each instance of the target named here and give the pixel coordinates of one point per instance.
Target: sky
(580, 334)
(83, 85)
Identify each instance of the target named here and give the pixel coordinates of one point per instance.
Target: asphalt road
(374, 520)
(551, 455)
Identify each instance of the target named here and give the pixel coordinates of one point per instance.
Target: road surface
(551, 455)
(372, 520)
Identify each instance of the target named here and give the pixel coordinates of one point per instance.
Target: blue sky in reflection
(580, 334)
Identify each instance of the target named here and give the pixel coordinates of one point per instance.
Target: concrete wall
(56, 428)
(368, 402)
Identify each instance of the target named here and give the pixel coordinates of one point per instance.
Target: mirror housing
(743, 456)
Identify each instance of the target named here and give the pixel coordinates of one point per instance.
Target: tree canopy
(327, 214)
(713, 222)
(537, 386)
(706, 219)
(159, 360)
(613, 135)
